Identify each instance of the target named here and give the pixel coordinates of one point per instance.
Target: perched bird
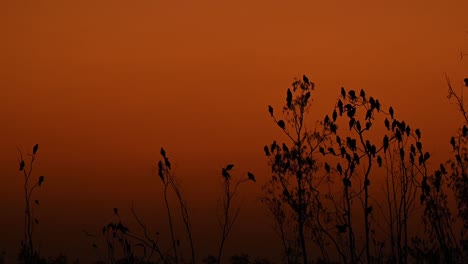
(334, 115)
(466, 82)
(22, 164)
(418, 133)
(419, 146)
(168, 164)
(267, 151)
(281, 124)
(339, 169)
(343, 92)
(452, 142)
(390, 111)
(225, 174)
(289, 98)
(385, 143)
(270, 110)
(307, 96)
(362, 94)
(160, 170)
(251, 176)
(327, 167)
(352, 95)
(41, 180)
(163, 153)
(426, 156)
(305, 79)
(35, 148)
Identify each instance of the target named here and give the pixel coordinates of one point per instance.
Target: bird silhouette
(160, 170)
(281, 124)
(362, 94)
(163, 153)
(334, 115)
(22, 164)
(390, 110)
(168, 164)
(338, 140)
(270, 110)
(327, 167)
(225, 174)
(229, 167)
(419, 146)
(267, 151)
(289, 98)
(305, 79)
(251, 176)
(379, 161)
(466, 82)
(339, 169)
(343, 92)
(41, 180)
(418, 133)
(35, 148)
(352, 95)
(452, 142)
(426, 156)
(307, 96)
(385, 143)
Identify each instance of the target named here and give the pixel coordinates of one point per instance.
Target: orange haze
(102, 85)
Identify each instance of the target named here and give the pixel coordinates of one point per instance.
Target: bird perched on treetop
(270, 110)
(251, 176)
(289, 98)
(35, 148)
(305, 79)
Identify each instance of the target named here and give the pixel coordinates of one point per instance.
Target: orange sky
(102, 85)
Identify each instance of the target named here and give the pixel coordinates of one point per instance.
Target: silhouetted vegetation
(346, 189)
(29, 253)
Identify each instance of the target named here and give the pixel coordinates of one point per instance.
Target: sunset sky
(102, 85)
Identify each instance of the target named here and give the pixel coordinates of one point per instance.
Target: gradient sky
(102, 85)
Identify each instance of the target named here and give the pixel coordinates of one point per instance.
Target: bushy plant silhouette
(125, 245)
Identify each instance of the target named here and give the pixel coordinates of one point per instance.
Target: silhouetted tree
(358, 158)
(293, 185)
